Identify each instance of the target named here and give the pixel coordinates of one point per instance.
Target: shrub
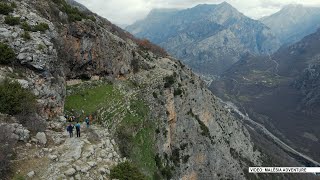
(25, 26)
(155, 95)
(14, 99)
(177, 92)
(147, 45)
(26, 35)
(7, 54)
(125, 140)
(126, 171)
(5, 8)
(42, 27)
(41, 47)
(6, 150)
(73, 13)
(12, 21)
(169, 81)
(13, 5)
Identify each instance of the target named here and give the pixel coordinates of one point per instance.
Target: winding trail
(259, 126)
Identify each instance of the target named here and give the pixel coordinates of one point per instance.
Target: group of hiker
(70, 127)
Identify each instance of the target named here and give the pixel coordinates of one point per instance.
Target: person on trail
(70, 129)
(87, 120)
(78, 129)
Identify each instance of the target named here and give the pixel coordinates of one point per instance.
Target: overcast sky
(125, 12)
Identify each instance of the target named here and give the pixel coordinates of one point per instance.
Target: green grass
(142, 152)
(90, 99)
(135, 132)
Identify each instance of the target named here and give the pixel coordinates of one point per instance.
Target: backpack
(78, 126)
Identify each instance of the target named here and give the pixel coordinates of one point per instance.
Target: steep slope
(159, 112)
(293, 22)
(209, 38)
(280, 91)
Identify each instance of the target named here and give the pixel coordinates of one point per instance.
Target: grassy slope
(90, 98)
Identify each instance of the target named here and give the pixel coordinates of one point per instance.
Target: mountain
(209, 38)
(280, 91)
(151, 116)
(293, 22)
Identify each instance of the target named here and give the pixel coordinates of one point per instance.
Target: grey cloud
(128, 11)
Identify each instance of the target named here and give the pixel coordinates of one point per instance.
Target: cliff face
(195, 137)
(209, 38)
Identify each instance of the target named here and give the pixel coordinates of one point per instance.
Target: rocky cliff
(145, 106)
(209, 38)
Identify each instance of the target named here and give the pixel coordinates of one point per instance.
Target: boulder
(31, 174)
(41, 137)
(53, 157)
(70, 172)
(102, 170)
(92, 164)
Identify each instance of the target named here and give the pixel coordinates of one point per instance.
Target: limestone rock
(70, 172)
(41, 137)
(31, 174)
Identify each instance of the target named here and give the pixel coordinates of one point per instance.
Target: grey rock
(92, 164)
(23, 83)
(31, 174)
(70, 172)
(102, 170)
(41, 137)
(22, 56)
(78, 177)
(53, 157)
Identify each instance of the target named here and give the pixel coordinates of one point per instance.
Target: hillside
(280, 91)
(151, 115)
(209, 38)
(293, 22)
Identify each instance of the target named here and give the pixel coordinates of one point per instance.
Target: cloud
(128, 11)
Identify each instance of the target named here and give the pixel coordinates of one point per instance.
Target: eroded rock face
(40, 69)
(199, 136)
(93, 50)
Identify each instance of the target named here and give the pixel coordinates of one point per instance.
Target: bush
(145, 44)
(12, 21)
(26, 35)
(6, 150)
(125, 139)
(169, 81)
(177, 92)
(7, 54)
(126, 171)
(73, 13)
(14, 99)
(25, 26)
(5, 8)
(42, 27)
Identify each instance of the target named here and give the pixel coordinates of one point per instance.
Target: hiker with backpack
(87, 120)
(78, 129)
(70, 129)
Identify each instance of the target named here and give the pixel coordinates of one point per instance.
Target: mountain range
(209, 38)
(293, 22)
